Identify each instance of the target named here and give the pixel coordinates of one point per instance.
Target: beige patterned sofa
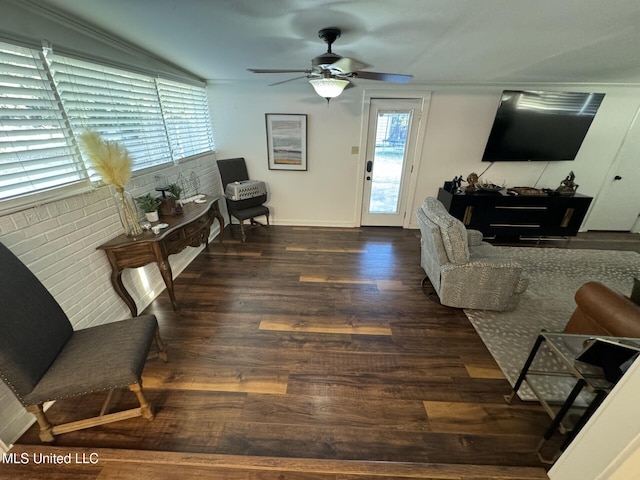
(465, 271)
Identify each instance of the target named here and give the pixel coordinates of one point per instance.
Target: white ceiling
(436, 41)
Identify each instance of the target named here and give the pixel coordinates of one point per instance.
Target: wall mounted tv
(540, 126)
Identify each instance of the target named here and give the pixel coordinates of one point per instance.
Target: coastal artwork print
(287, 141)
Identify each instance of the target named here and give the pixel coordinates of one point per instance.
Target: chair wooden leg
(46, 434)
(162, 350)
(108, 401)
(145, 407)
(48, 430)
(242, 234)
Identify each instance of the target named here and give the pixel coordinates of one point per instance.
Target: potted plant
(149, 206)
(176, 190)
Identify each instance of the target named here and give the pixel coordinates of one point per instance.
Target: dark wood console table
(503, 215)
(191, 228)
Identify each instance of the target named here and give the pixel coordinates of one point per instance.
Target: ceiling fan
(330, 73)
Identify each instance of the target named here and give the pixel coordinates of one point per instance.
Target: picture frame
(286, 141)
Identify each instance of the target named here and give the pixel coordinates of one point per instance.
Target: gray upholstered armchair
(465, 271)
(42, 358)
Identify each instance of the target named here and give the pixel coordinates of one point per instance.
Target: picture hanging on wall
(287, 141)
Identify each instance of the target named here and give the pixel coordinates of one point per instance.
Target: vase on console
(112, 162)
(127, 212)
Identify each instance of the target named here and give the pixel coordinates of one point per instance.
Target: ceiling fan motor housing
(325, 60)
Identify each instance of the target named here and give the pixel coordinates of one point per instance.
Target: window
(120, 105)
(36, 152)
(46, 101)
(186, 116)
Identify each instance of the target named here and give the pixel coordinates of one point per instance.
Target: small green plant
(148, 203)
(175, 190)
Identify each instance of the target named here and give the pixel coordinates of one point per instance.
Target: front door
(391, 142)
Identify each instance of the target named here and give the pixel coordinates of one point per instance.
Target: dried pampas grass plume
(109, 159)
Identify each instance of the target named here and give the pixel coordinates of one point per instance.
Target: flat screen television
(540, 126)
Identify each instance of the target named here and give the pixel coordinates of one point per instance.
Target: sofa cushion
(452, 231)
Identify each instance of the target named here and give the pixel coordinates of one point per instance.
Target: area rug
(554, 276)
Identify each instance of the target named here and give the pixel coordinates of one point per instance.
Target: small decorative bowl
(489, 187)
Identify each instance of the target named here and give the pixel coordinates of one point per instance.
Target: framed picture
(287, 141)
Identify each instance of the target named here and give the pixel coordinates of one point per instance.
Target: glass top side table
(574, 377)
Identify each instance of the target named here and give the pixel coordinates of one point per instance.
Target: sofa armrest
(474, 237)
(603, 311)
(486, 283)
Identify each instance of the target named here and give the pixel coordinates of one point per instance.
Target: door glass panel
(388, 160)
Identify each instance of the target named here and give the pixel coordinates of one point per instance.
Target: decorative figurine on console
(567, 186)
(472, 180)
(454, 185)
(457, 183)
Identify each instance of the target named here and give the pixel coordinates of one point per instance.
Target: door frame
(396, 94)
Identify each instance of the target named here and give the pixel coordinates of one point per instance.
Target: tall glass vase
(127, 213)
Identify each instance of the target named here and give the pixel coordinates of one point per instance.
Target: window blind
(47, 101)
(36, 151)
(186, 115)
(120, 105)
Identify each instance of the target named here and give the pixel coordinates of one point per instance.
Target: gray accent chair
(465, 271)
(42, 358)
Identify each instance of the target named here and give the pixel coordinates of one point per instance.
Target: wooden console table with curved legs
(191, 228)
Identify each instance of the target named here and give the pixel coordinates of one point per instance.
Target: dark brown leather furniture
(603, 311)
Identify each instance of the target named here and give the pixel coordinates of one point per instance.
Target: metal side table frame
(566, 348)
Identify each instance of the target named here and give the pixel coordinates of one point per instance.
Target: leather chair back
(603, 311)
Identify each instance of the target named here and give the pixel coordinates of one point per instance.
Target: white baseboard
(315, 223)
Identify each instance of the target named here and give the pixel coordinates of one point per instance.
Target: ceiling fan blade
(290, 80)
(385, 77)
(347, 65)
(271, 70)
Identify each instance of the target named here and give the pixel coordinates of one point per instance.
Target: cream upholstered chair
(42, 358)
(465, 271)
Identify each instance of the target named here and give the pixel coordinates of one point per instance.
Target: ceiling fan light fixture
(328, 87)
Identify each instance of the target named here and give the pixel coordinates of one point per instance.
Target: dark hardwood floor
(312, 353)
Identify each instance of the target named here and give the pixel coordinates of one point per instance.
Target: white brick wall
(58, 241)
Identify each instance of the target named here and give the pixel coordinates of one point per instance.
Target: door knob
(369, 166)
(617, 177)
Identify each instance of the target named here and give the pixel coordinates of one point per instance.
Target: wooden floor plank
(466, 417)
(334, 279)
(324, 324)
(220, 379)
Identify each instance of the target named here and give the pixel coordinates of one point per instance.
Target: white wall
(58, 241)
(322, 195)
(458, 123)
